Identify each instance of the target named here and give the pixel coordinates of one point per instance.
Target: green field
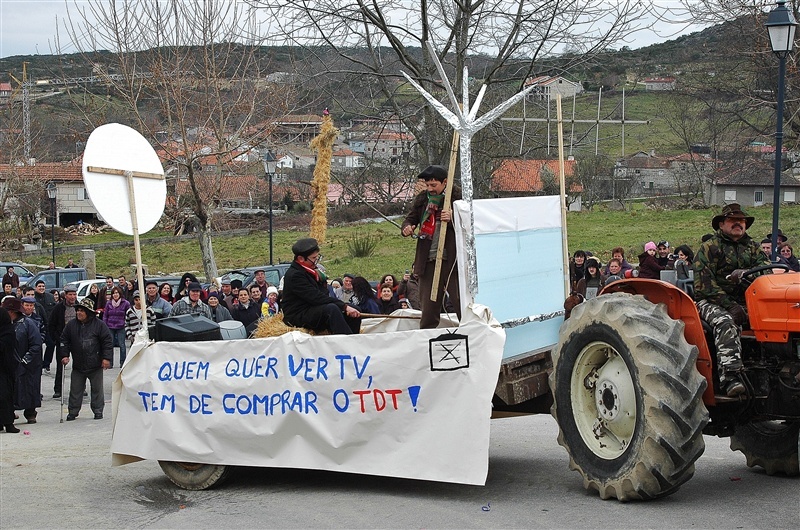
(598, 231)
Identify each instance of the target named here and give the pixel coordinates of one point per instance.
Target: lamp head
(781, 26)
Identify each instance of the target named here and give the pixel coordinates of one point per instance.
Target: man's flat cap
(305, 247)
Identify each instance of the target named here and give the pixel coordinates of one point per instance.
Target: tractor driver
(718, 266)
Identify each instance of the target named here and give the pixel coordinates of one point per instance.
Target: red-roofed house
(72, 202)
(516, 178)
(547, 87)
(656, 175)
(347, 158)
(241, 191)
(5, 92)
(300, 128)
(386, 145)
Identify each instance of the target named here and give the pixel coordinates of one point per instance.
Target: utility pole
(26, 112)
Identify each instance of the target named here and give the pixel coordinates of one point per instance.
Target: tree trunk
(207, 251)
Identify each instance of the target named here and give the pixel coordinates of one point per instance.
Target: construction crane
(26, 111)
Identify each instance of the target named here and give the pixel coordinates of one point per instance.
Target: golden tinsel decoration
(275, 326)
(323, 143)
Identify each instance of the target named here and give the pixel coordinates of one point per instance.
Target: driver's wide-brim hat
(732, 211)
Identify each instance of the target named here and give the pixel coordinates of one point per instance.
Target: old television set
(185, 328)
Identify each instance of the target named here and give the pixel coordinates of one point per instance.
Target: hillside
(61, 119)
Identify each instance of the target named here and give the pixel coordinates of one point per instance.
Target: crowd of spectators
(587, 276)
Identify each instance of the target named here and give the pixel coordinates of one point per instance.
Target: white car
(83, 286)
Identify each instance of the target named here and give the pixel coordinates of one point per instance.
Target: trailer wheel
(191, 476)
(628, 398)
(772, 445)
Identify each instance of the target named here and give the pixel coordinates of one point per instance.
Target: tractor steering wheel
(747, 276)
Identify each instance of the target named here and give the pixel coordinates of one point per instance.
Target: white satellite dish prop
(119, 165)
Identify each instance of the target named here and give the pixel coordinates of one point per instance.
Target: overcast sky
(28, 27)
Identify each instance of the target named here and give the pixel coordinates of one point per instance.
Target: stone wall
(75, 250)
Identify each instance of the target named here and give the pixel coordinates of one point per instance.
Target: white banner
(412, 404)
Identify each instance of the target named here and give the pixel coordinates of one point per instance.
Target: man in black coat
(306, 302)
(88, 340)
(49, 303)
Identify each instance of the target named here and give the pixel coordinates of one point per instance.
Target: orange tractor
(635, 385)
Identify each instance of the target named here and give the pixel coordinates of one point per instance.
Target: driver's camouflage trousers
(726, 338)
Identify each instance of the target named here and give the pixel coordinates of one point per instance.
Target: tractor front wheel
(627, 398)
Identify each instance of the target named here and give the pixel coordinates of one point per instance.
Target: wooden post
(563, 192)
(137, 247)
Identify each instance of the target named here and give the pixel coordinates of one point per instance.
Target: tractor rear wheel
(628, 398)
(195, 477)
(769, 444)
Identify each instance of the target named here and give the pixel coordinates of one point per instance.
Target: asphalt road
(59, 476)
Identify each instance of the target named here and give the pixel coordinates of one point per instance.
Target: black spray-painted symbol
(449, 352)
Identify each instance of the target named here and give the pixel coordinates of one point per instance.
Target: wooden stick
(446, 207)
(121, 172)
(562, 186)
(137, 247)
(373, 315)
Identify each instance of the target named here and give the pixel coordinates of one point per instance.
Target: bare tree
(201, 63)
(597, 177)
(749, 75)
(502, 41)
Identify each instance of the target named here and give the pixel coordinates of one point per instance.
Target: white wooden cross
(466, 125)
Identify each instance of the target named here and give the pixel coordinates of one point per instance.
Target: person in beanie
(28, 395)
(88, 340)
(270, 308)
(429, 218)
(218, 311)
(306, 302)
(191, 304)
(648, 265)
(718, 267)
(592, 281)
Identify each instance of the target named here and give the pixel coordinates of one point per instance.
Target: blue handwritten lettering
(254, 367)
(199, 404)
(183, 370)
(340, 394)
(306, 366)
(151, 403)
(271, 404)
(359, 369)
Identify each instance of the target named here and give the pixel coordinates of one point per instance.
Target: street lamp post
(270, 165)
(51, 194)
(781, 26)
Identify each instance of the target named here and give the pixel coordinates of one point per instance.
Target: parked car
(23, 273)
(82, 286)
(274, 274)
(174, 281)
(58, 278)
